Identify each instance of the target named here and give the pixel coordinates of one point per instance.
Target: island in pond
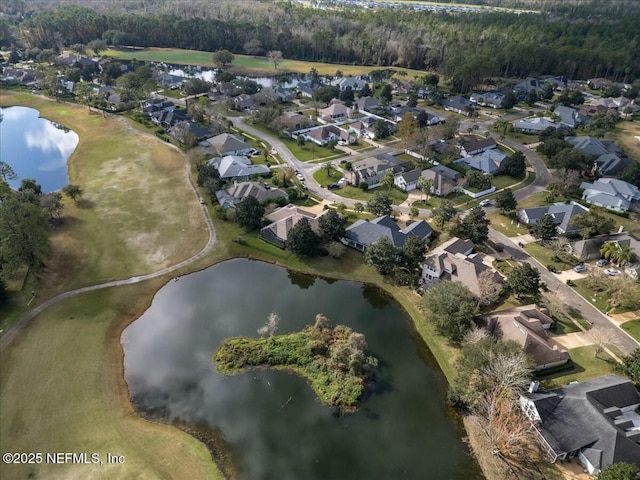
(332, 359)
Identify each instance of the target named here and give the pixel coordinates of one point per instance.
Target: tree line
(468, 48)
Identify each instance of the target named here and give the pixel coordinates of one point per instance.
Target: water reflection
(35, 147)
(400, 432)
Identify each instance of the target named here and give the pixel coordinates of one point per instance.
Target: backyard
(584, 365)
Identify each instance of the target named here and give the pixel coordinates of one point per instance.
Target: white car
(342, 181)
(485, 203)
(300, 177)
(612, 272)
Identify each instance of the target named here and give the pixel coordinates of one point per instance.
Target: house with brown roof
(445, 180)
(527, 326)
(283, 220)
(335, 111)
(372, 169)
(455, 260)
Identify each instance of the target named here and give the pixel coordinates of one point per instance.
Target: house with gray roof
(569, 117)
(445, 180)
(407, 181)
(235, 167)
(487, 99)
(355, 83)
(535, 124)
(364, 232)
(595, 421)
(459, 105)
(610, 193)
(609, 159)
(562, 214)
(367, 104)
(589, 249)
(455, 261)
(229, 144)
(322, 135)
(527, 326)
(488, 161)
(239, 191)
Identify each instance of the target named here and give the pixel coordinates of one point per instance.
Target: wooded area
(579, 41)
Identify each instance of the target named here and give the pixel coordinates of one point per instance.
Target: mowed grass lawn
(247, 63)
(632, 328)
(61, 383)
(63, 391)
(584, 365)
(355, 193)
(324, 179)
(138, 213)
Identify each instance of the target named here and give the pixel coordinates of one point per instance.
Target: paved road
(602, 325)
(11, 333)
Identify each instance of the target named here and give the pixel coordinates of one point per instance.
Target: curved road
(11, 333)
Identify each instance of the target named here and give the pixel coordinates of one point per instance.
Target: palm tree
(328, 166)
(609, 250)
(284, 175)
(425, 185)
(625, 255)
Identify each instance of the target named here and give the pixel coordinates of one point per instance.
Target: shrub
(364, 186)
(571, 283)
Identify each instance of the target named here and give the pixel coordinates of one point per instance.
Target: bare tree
(490, 288)
(561, 244)
(601, 338)
(475, 335)
(270, 327)
(276, 57)
(554, 304)
(322, 321)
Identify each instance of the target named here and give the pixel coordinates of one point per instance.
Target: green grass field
(323, 179)
(355, 193)
(584, 365)
(138, 215)
(247, 64)
(545, 256)
(632, 328)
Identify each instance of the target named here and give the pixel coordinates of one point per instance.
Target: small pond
(271, 422)
(35, 147)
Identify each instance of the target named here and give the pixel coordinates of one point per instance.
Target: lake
(35, 147)
(271, 422)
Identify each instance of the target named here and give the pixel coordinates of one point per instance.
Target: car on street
(612, 272)
(601, 263)
(300, 177)
(580, 268)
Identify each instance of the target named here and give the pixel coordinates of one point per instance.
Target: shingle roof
(487, 162)
(583, 419)
(562, 214)
(236, 166)
(226, 142)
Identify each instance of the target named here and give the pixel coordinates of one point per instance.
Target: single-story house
(355, 83)
(595, 421)
(472, 145)
(607, 156)
(488, 161)
(372, 169)
(569, 117)
(243, 102)
(535, 124)
(459, 105)
(323, 135)
(237, 167)
(335, 111)
(445, 180)
(166, 119)
(364, 232)
(283, 220)
(487, 99)
(366, 126)
(454, 260)
(229, 144)
(407, 181)
(367, 104)
(562, 214)
(527, 326)
(589, 249)
(398, 113)
(239, 191)
(611, 193)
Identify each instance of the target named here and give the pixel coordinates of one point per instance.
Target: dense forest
(583, 40)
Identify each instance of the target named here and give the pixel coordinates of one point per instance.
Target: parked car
(300, 177)
(333, 186)
(602, 262)
(485, 203)
(580, 268)
(266, 186)
(342, 181)
(612, 272)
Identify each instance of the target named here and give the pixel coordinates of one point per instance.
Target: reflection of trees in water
(377, 298)
(300, 279)
(59, 126)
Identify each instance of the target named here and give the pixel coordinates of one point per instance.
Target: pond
(271, 422)
(35, 147)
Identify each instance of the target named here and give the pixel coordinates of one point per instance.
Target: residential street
(603, 328)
